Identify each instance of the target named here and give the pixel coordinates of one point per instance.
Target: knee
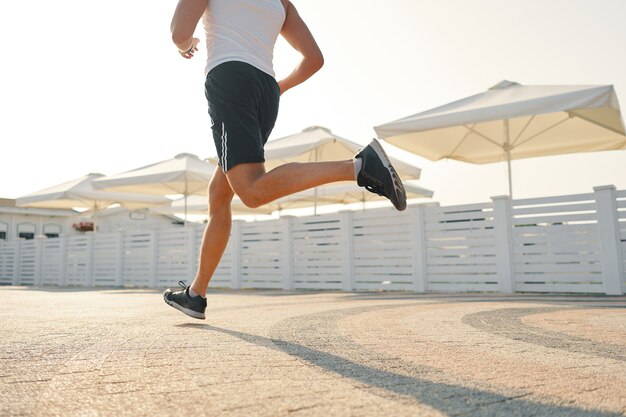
(219, 198)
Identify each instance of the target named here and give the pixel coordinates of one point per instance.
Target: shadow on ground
(453, 400)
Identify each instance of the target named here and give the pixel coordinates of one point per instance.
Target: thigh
(243, 176)
(232, 94)
(269, 108)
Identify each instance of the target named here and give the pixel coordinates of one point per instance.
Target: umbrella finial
(504, 84)
(312, 128)
(186, 155)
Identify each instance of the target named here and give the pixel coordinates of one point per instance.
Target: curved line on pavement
(507, 322)
(314, 339)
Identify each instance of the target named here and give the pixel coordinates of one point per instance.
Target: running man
(243, 98)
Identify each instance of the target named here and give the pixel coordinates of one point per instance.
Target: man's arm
(298, 35)
(184, 22)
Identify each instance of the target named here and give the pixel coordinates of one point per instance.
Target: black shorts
(243, 105)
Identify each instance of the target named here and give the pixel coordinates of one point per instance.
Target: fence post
(62, 261)
(347, 250)
(610, 244)
(18, 262)
(190, 249)
(287, 252)
(503, 224)
(119, 260)
(418, 243)
(63, 278)
(38, 270)
(235, 242)
(89, 280)
(154, 258)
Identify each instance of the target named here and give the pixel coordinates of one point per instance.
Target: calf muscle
(255, 187)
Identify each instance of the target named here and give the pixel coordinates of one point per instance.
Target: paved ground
(123, 352)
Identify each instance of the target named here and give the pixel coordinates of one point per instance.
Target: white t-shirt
(242, 30)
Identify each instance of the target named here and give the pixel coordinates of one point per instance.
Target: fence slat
(556, 218)
(564, 208)
(560, 287)
(554, 200)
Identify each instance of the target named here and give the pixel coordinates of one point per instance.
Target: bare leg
(217, 232)
(255, 187)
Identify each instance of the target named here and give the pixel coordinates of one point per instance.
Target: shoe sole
(187, 311)
(400, 203)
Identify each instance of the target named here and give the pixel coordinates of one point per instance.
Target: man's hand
(188, 54)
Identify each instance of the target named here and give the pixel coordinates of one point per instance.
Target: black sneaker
(378, 176)
(181, 300)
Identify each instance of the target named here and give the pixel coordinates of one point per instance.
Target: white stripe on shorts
(224, 148)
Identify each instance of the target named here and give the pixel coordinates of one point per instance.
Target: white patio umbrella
(315, 144)
(513, 121)
(79, 193)
(341, 193)
(197, 204)
(184, 174)
(318, 143)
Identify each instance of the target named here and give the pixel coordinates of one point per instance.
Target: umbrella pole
(185, 222)
(507, 146)
(95, 214)
(508, 161)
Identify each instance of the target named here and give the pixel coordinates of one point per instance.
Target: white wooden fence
(574, 243)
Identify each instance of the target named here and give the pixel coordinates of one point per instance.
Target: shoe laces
(182, 284)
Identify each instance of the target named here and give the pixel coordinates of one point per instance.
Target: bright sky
(90, 86)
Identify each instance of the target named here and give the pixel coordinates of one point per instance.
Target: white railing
(317, 252)
(574, 243)
(460, 248)
(557, 244)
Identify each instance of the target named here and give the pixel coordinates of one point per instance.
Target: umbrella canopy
(184, 174)
(197, 204)
(341, 193)
(80, 193)
(513, 121)
(316, 144)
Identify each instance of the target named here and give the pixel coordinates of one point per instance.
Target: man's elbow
(317, 61)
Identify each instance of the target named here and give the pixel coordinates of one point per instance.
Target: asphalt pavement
(123, 352)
